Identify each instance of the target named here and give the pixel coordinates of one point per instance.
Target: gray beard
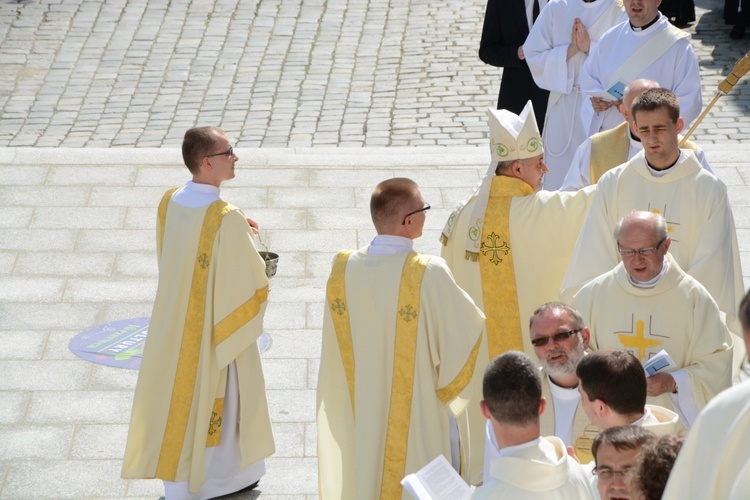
(567, 368)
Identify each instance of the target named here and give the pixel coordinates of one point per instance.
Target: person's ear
(585, 337)
(680, 124)
(485, 410)
(542, 405)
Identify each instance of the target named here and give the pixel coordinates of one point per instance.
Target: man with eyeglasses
(647, 304)
(509, 245)
(615, 450)
(670, 181)
(560, 340)
(200, 418)
(400, 343)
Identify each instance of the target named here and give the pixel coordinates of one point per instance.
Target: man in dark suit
(506, 26)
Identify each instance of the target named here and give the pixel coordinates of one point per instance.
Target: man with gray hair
(647, 304)
(528, 465)
(560, 339)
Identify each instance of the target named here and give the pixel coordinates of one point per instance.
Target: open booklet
(660, 362)
(614, 93)
(437, 480)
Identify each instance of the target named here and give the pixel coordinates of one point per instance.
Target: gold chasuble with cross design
(677, 315)
(400, 343)
(538, 232)
(207, 314)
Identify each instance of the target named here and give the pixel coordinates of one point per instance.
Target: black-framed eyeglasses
(229, 152)
(423, 209)
(607, 474)
(557, 337)
(641, 251)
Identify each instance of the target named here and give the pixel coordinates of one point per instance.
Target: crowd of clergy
(580, 336)
(585, 338)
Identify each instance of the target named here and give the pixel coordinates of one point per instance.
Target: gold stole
(404, 355)
(190, 347)
(608, 150)
(496, 267)
(584, 431)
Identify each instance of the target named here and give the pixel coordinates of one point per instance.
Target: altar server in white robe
(611, 148)
(666, 180)
(614, 389)
(529, 466)
(646, 304)
(498, 244)
(400, 343)
(200, 418)
(560, 40)
(646, 46)
(714, 462)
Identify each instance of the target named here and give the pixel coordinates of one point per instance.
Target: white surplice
(545, 51)
(677, 70)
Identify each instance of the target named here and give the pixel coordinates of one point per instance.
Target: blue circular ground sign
(120, 343)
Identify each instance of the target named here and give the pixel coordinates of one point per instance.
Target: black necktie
(535, 11)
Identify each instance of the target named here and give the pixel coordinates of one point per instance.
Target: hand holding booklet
(658, 363)
(437, 480)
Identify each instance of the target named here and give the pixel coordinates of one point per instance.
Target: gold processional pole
(739, 70)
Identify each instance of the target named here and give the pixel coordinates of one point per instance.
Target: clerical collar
(388, 244)
(560, 392)
(642, 420)
(653, 281)
(510, 451)
(202, 188)
(645, 27)
(658, 172)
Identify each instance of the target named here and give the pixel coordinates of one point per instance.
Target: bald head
(636, 88)
(642, 221)
(643, 241)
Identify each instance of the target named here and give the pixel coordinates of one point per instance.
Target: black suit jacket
(505, 30)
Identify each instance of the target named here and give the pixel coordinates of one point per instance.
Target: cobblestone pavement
(275, 73)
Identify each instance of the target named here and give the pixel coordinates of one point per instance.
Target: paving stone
(35, 375)
(52, 479)
(23, 344)
(35, 442)
(99, 442)
(13, 406)
(80, 407)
